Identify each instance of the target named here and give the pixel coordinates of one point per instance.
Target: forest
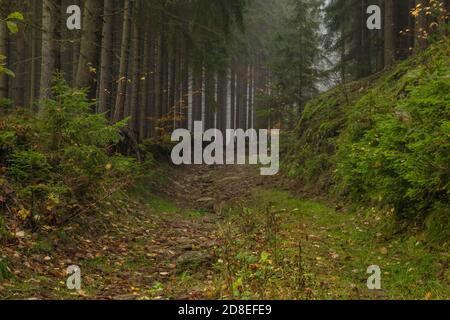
(92, 92)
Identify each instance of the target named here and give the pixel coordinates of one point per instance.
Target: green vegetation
(85, 175)
(5, 272)
(59, 162)
(282, 247)
(383, 141)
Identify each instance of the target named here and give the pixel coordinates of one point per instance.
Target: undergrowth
(383, 142)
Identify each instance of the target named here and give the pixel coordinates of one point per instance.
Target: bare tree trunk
(87, 60)
(122, 81)
(178, 88)
(3, 52)
(222, 91)
(144, 95)
(173, 84)
(389, 33)
(197, 94)
(151, 103)
(185, 88)
(134, 85)
(34, 54)
(238, 98)
(233, 98)
(19, 80)
(158, 83)
(105, 86)
(209, 98)
(48, 62)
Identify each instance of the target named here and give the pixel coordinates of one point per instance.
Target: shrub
(402, 157)
(383, 141)
(65, 158)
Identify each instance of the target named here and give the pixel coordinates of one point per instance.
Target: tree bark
(3, 52)
(48, 58)
(389, 33)
(135, 79)
(122, 81)
(105, 85)
(87, 60)
(185, 88)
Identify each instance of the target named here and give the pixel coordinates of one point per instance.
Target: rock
(229, 179)
(206, 203)
(193, 260)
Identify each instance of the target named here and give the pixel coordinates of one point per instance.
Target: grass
(332, 250)
(275, 246)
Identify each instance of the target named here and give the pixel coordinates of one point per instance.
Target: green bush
(5, 273)
(383, 141)
(28, 166)
(401, 157)
(63, 158)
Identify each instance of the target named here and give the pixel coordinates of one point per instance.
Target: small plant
(5, 272)
(63, 159)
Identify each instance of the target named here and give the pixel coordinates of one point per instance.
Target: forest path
(142, 245)
(220, 233)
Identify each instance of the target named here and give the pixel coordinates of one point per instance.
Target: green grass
(336, 250)
(5, 273)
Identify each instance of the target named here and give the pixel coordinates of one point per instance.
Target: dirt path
(159, 247)
(220, 233)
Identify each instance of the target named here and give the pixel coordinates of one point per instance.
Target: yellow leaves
(24, 214)
(20, 234)
(108, 166)
(434, 24)
(52, 201)
(428, 296)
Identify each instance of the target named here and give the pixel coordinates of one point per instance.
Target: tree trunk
(48, 58)
(87, 60)
(222, 93)
(34, 53)
(122, 81)
(151, 103)
(135, 79)
(233, 98)
(144, 93)
(3, 52)
(197, 94)
(389, 33)
(185, 88)
(209, 99)
(105, 85)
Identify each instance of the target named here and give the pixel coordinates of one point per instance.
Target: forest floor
(221, 233)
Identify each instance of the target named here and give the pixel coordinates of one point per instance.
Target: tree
(3, 52)
(48, 51)
(389, 33)
(87, 60)
(105, 85)
(119, 109)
